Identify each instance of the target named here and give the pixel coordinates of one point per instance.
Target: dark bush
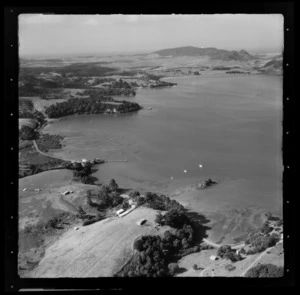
(265, 229)
(94, 219)
(265, 270)
(175, 219)
(27, 133)
(230, 267)
(134, 194)
(125, 205)
(140, 201)
(173, 268)
(138, 245)
(159, 219)
(226, 252)
(113, 186)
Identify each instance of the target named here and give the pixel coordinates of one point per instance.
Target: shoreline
(220, 219)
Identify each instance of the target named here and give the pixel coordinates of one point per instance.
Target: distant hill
(274, 66)
(275, 63)
(213, 53)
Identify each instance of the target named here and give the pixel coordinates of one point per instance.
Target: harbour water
(231, 125)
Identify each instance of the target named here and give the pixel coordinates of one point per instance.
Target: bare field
(98, 250)
(35, 206)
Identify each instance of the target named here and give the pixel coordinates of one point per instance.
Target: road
(258, 258)
(42, 153)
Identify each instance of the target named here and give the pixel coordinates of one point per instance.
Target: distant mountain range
(213, 53)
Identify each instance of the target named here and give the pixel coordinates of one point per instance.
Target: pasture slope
(97, 250)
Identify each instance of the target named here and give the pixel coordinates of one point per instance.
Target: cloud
(40, 18)
(132, 18)
(91, 22)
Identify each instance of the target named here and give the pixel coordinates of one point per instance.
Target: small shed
(66, 193)
(141, 221)
(213, 257)
(124, 196)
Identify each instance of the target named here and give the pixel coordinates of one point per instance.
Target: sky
(47, 35)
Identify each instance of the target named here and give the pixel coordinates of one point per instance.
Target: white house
(124, 196)
(213, 257)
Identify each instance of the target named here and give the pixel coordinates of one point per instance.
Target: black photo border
(10, 115)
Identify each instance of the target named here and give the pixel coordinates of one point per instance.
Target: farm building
(124, 196)
(120, 211)
(141, 221)
(66, 193)
(213, 257)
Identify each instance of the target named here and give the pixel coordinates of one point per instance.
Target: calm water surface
(229, 124)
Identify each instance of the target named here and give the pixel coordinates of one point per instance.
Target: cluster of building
(85, 162)
(111, 111)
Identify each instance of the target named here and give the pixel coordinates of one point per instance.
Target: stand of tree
(226, 252)
(156, 255)
(265, 271)
(32, 114)
(262, 239)
(261, 243)
(27, 133)
(158, 202)
(87, 106)
(108, 197)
